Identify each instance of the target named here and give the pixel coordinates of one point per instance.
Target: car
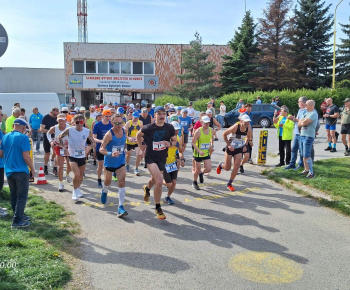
(262, 115)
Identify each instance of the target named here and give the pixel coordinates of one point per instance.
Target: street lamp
(334, 44)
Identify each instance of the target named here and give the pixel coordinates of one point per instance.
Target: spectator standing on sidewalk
(323, 108)
(35, 122)
(331, 115)
(3, 211)
(16, 112)
(278, 101)
(345, 126)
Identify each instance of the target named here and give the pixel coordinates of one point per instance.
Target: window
(126, 68)
(79, 67)
(268, 108)
(256, 108)
(90, 67)
(102, 67)
(148, 68)
(137, 68)
(114, 67)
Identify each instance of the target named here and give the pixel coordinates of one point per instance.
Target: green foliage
(343, 58)
(343, 84)
(177, 101)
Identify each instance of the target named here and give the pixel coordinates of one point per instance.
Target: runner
(213, 122)
(77, 137)
(100, 129)
(131, 128)
(157, 137)
(61, 152)
(186, 124)
(203, 144)
(236, 145)
(113, 148)
(145, 117)
(98, 119)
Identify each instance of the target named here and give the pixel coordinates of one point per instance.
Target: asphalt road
(262, 236)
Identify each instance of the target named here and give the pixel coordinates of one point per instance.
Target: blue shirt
(300, 115)
(258, 102)
(116, 144)
(100, 130)
(13, 144)
(151, 112)
(1, 159)
(35, 121)
(185, 123)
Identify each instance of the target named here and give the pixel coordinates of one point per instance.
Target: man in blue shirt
(35, 122)
(15, 148)
(186, 123)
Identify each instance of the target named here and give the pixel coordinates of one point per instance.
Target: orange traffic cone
(41, 177)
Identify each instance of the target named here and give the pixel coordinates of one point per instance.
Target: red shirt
(197, 125)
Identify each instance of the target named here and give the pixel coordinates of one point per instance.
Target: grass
(331, 177)
(32, 258)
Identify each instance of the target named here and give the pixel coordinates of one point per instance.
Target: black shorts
(345, 129)
(169, 177)
(131, 146)
(114, 169)
(200, 159)
(47, 146)
(185, 138)
(79, 161)
(236, 151)
(99, 156)
(160, 164)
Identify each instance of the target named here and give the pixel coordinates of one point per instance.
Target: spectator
(35, 122)
(3, 211)
(331, 115)
(222, 113)
(278, 101)
(17, 105)
(213, 102)
(16, 112)
(23, 114)
(15, 148)
(258, 101)
(2, 122)
(323, 108)
(273, 101)
(210, 107)
(240, 104)
(345, 126)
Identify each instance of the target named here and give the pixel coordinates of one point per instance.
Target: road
(262, 236)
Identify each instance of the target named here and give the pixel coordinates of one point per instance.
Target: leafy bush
(177, 101)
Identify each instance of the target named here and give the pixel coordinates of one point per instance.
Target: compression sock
(329, 144)
(105, 188)
(121, 195)
(311, 167)
(334, 145)
(229, 182)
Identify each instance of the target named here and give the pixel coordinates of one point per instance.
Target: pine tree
(198, 81)
(312, 53)
(239, 67)
(343, 59)
(276, 70)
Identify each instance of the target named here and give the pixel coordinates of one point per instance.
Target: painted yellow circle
(267, 268)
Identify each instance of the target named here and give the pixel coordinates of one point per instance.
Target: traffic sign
(3, 40)
(72, 100)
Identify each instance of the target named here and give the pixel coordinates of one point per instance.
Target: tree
(276, 70)
(344, 54)
(240, 67)
(311, 47)
(198, 73)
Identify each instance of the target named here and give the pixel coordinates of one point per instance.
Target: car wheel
(225, 123)
(264, 123)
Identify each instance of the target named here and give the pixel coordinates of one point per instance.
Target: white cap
(171, 106)
(64, 109)
(92, 106)
(131, 106)
(82, 109)
(205, 119)
(245, 118)
(77, 109)
(176, 125)
(153, 105)
(106, 108)
(209, 112)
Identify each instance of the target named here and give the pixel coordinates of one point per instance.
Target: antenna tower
(82, 20)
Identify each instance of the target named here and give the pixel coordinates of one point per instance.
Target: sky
(37, 29)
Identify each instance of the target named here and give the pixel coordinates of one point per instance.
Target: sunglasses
(80, 122)
(118, 123)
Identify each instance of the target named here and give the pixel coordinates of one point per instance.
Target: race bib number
(183, 123)
(62, 153)
(171, 167)
(118, 148)
(132, 139)
(205, 146)
(158, 146)
(79, 153)
(237, 143)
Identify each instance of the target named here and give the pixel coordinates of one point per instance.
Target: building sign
(113, 82)
(262, 147)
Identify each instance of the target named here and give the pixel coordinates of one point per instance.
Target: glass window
(79, 67)
(268, 108)
(126, 67)
(256, 108)
(137, 68)
(90, 67)
(102, 67)
(148, 68)
(114, 67)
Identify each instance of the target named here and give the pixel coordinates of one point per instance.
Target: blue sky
(37, 28)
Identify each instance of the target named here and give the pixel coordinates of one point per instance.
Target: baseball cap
(184, 111)
(205, 119)
(171, 110)
(73, 113)
(136, 114)
(98, 114)
(101, 106)
(105, 108)
(179, 108)
(61, 117)
(176, 125)
(77, 109)
(208, 112)
(64, 109)
(20, 121)
(209, 103)
(153, 105)
(131, 106)
(173, 118)
(120, 110)
(106, 112)
(115, 104)
(144, 110)
(159, 108)
(347, 100)
(245, 118)
(92, 106)
(82, 109)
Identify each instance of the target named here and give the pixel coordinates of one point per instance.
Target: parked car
(262, 115)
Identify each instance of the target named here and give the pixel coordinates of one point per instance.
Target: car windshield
(234, 110)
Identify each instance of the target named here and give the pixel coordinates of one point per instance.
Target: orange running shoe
(160, 214)
(218, 169)
(230, 187)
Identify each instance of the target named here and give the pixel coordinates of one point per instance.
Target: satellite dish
(4, 40)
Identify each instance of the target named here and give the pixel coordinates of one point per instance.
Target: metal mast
(82, 20)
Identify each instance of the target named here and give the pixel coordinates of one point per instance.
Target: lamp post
(334, 44)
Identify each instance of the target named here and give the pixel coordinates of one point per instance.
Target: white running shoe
(68, 178)
(75, 195)
(60, 187)
(52, 163)
(79, 192)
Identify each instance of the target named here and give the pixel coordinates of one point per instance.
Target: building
(120, 72)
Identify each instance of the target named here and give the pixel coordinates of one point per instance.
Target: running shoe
(195, 185)
(95, 163)
(201, 177)
(99, 184)
(289, 167)
(328, 148)
(230, 187)
(60, 187)
(114, 178)
(333, 150)
(241, 169)
(347, 153)
(21, 224)
(218, 169)
(54, 171)
(310, 175)
(26, 218)
(304, 173)
(250, 161)
(169, 200)
(216, 139)
(160, 214)
(79, 192)
(68, 178)
(122, 212)
(103, 197)
(136, 172)
(75, 195)
(127, 167)
(52, 163)
(146, 194)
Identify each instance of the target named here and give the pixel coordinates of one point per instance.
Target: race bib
(62, 152)
(79, 153)
(133, 139)
(237, 143)
(183, 123)
(171, 167)
(158, 146)
(118, 148)
(205, 146)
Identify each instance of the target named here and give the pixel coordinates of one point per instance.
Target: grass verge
(331, 178)
(32, 258)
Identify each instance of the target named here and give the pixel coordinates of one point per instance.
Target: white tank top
(77, 141)
(58, 132)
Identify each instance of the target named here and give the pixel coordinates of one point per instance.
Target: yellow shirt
(172, 150)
